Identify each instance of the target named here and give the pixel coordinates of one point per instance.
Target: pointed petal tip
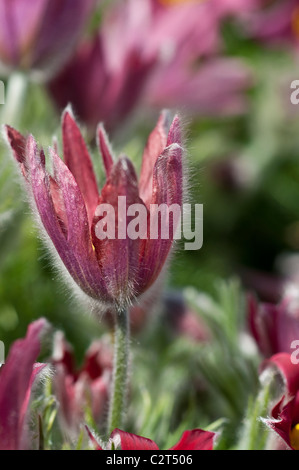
(124, 166)
(92, 439)
(15, 141)
(68, 112)
(175, 131)
(105, 148)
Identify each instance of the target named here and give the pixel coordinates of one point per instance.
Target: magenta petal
(17, 142)
(289, 371)
(118, 258)
(282, 420)
(167, 189)
(80, 260)
(154, 148)
(77, 159)
(175, 132)
(129, 441)
(274, 326)
(78, 237)
(93, 439)
(60, 29)
(196, 440)
(16, 380)
(105, 149)
(19, 23)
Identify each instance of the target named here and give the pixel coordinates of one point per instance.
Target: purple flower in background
(274, 326)
(191, 74)
(146, 53)
(275, 23)
(88, 387)
(39, 35)
(17, 378)
(215, 88)
(115, 271)
(98, 89)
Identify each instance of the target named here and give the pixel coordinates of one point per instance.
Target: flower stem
(118, 400)
(14, 100)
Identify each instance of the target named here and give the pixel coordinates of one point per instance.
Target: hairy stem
(118, 402)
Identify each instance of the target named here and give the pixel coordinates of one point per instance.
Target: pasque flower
(105, 79)
(76, 390)
(274, 326)
(17, 378)
(192, 72)
(117, 271)
(197, 439)
(155, 55)
(40, 35)
(284, 418)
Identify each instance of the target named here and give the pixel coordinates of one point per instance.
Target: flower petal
(155, 145)
(167, 189)
(175, 132)
(93, 439)
(118, 258)
(128, 441)
(78, 237)
(19, 22)
(196, 439)
(16, 380)
(105, 149)
(289, 371)
(77, 159)
(60, 28)
(77, 257)
(17, 143)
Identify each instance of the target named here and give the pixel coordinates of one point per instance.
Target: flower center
(294, 437)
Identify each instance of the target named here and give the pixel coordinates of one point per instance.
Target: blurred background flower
(39, 36)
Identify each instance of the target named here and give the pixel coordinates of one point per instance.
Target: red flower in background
(17, 378)
(196, 439)
(274, 326)
(88, 387)
(285, 414)
(156, 55)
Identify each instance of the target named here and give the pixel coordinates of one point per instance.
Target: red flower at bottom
(197, 439)
(285, 414)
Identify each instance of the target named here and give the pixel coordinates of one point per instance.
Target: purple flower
(155, 55)
(17, 378)
(40, 35)
(76, 390)
(274, 326)
(99, 89)
(112, 271)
